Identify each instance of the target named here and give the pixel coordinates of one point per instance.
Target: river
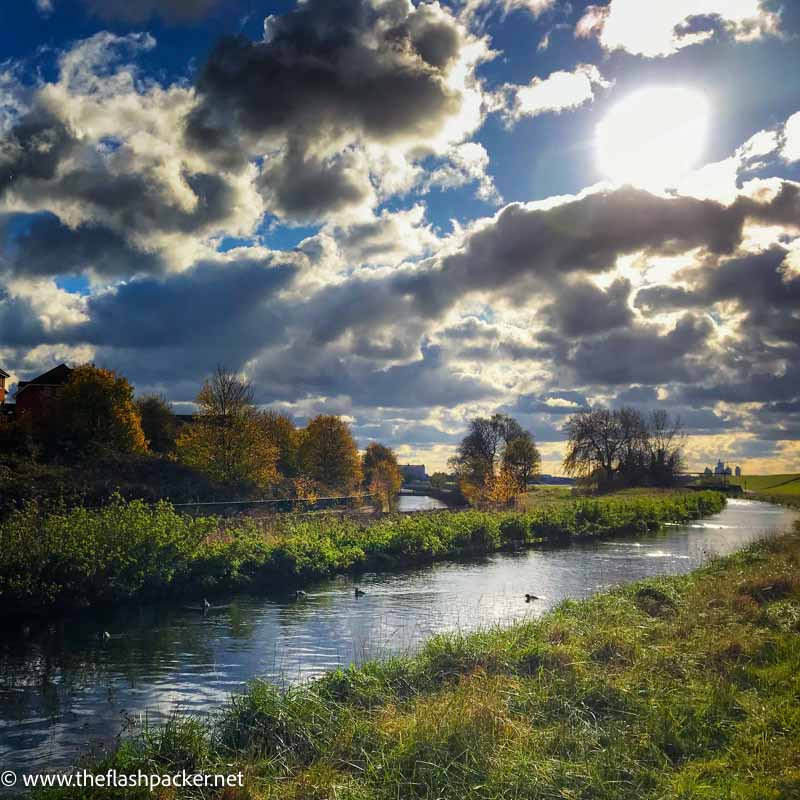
(64, 689)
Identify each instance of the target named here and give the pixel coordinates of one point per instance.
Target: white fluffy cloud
(559, 91)
(791, 140)
(660, 28)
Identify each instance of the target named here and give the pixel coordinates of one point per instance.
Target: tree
(282, 432)
(492, 443)
(158, 422)
(328, 454)
(594, 444)
(665, 443)
(439, 480)
(95, 411)
(228, 440)
(480, 450)
(382, 474)
(521, 460)
(624, 447)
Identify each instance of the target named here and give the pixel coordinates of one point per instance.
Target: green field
(770, 484)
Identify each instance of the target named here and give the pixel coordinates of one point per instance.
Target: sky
(413, 213)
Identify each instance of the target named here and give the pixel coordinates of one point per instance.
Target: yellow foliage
(96, 409)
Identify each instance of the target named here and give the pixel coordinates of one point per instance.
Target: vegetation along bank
(681, 687)
(129, 550)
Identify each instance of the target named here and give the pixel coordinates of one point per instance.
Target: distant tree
(382, 475)
(228, 441)
(480, 450)
(158, 422)
(439, 480)
(328, 454)
(495, 459)
(594, 444)
(282, 432)
(521, 460)
(624, 447)
(95, 412)
(666, 440)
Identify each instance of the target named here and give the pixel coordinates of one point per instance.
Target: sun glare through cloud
(653, 137)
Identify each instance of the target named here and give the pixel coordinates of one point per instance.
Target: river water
(65, 689)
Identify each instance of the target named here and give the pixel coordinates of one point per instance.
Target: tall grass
(129, 550)
(682, 687)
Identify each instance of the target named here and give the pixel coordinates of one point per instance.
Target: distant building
(722, 469)
(738, 472)
(707, 472)
(34, 395)
(413, 472)
(3, 377)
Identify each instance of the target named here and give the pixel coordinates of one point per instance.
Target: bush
(130, 549)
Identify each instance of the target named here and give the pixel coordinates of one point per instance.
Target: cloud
(330, 87)
(98, 150)
(791, 138)
(560, 91)
(465, 163)
(583, 308)
(660, 29)
(43, 246)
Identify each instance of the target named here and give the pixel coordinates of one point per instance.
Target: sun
(653, 137)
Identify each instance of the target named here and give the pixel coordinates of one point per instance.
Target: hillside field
(770, 484)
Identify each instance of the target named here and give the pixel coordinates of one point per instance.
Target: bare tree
(595, 441)
(624, 447)
(665, 443)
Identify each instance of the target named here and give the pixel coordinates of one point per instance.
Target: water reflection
(63, 688)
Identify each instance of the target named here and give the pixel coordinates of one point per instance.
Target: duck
(358, 592)
(206, 604)
(300, 594)
(529, 597)
(105, 636)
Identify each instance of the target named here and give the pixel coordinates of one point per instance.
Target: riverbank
(131, 551)
(681, 687)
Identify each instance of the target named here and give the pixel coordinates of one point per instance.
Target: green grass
(130, 550)
(788, 484)
(681, 688)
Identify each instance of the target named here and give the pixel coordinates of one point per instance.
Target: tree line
(233, 443)
(229, 440)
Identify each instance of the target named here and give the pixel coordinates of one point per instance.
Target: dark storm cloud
(644, 354)
(582, 308)
(318, 70)
(20, 326)
(768, 336)
(329, 73)
(222, 305)
(301, 186)
(33, 149)
(425, 382)
(46, 247)
(524, 251)
(134, 203)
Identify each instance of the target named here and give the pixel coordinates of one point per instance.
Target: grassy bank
(788, 484)
(780, 489)
(680, 687)
(129, 550)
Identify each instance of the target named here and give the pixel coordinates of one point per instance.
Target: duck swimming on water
(300, 594)
(358, 592)
(529, 597)
(206, 604)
